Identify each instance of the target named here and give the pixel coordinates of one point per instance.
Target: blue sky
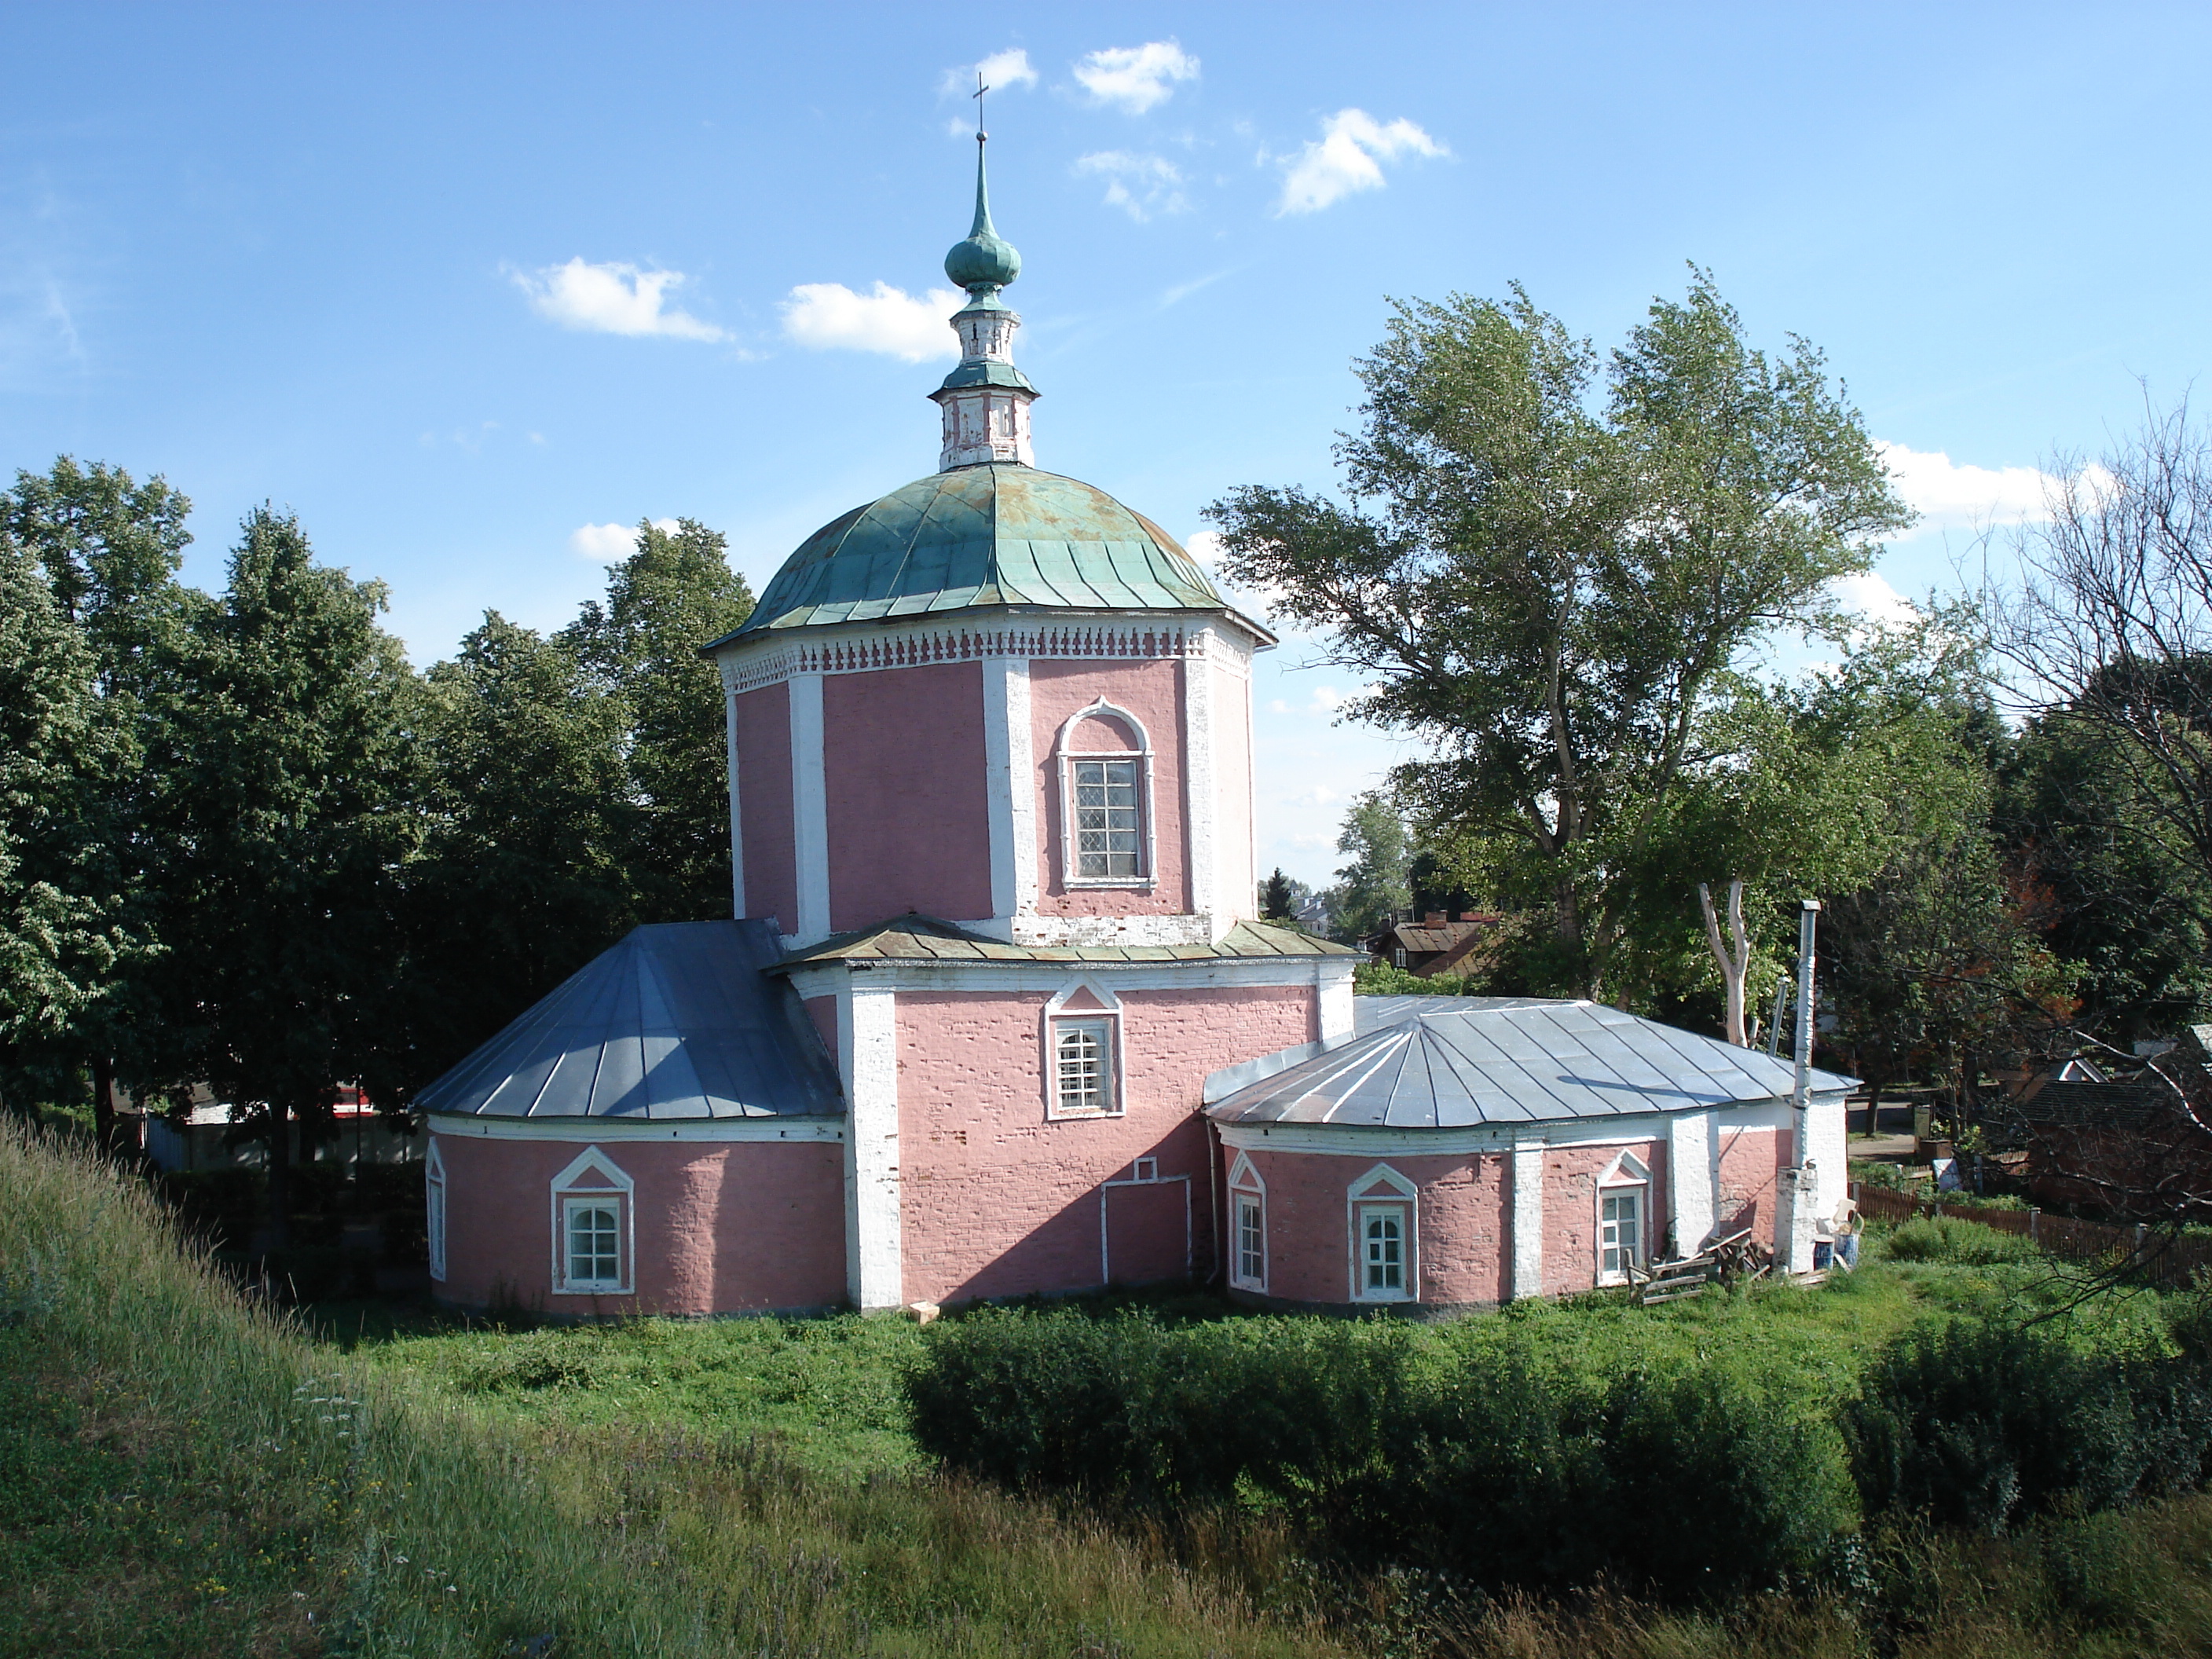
(459, 283)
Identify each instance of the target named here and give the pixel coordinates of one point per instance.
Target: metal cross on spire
(980, 88)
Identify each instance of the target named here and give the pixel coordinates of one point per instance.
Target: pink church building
(995, 1017)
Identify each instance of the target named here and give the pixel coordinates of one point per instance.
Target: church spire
(986, 399)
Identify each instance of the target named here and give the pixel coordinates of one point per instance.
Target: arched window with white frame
(1248, 1227)
(1383, 1210)
(1106, 829)
(1083, 1053)
(1624, 1219)
(594, 1227)
(434, 1207)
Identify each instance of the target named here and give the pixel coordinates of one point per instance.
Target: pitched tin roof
(993, 534)
(1455, 1062)
(675, 1022)
(925, 938)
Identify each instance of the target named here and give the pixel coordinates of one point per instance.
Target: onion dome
(983, 262)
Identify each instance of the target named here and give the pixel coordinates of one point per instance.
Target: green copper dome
(991, 535)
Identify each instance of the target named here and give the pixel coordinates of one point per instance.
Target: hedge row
(1700, 1483)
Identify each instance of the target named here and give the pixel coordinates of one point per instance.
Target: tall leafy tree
(62, 932)
(1373, 886)
(111, 548)
(671, 596)
(521, 878)
(288, 822)
(1550, 560)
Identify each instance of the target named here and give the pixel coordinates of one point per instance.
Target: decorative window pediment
(594, 1227)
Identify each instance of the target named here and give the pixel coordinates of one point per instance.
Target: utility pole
(1802, 1181)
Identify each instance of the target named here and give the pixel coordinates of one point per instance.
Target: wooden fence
(2160, 1254)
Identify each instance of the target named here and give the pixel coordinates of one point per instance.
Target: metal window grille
(1386, 1251)
(1251, 1244)
(1085, 1069)
(1621, 1236)
(1106, 827)
(594, 1254)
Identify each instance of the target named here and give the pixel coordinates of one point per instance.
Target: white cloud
(1140, 185)
(828, 316)
(1347, 157)
(1133, 79)
(1001, 71)
(1873, 598)
(604, 542)
(612, 298)
(1951, 497)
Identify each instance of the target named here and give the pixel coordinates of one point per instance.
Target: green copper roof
(995, 534)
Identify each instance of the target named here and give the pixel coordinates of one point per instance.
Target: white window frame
(1382, 1187)
(434, 1207)
(1057, 1017)
(1627, 1175)
(1246, 1187)
(1071, 874)
(621, 1191)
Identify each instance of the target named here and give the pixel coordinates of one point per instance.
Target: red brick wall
(764, 723)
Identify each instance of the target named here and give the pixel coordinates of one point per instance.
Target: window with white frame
(1083, 1058)
(594, 1235)
(1385, 1246)
(1624, 1218)
(593, 1222)
(1106, 784)
(1248, 1227)
(434, 1207)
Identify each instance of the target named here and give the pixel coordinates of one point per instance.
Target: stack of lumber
(1721, 1262)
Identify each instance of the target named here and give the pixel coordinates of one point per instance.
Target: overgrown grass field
(182, 1473)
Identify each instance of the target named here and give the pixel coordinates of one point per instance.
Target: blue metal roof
(995, 534)
(676, 1021)
(1456, 1062)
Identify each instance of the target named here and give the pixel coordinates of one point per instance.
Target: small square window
(1147, 1168)
(1083, 1064)
(594, 1242)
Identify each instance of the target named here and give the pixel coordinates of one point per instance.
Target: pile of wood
(1721, 1262)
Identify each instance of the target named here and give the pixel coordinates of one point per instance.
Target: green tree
(675, 593)
(111, 548)
(1550, 562)
(288, 821)
(62, 933)
(1373, 887)
(1280, 897)
(521, 878)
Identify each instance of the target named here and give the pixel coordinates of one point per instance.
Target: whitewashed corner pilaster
(1201, 804)
(1336, 1010)
(867, 1043)
(1690, 1196)
(1012, 791)
(1527, 1221)
(809, 810)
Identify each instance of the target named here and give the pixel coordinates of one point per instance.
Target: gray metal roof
(1423, 1062)
(676, 1021)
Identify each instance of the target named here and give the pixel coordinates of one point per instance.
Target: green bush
(1479, 1465)
(1949, 1238)
(1981, 1424)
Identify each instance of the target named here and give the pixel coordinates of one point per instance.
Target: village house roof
(676, 1021)
(1455, 1062)
(925, 938)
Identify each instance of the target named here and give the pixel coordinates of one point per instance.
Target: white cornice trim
(1221, 637)
(1362, 1140)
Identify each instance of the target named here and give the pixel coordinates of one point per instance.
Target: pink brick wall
(1151, 691)
(997, 1201)
(904, 776)
(721, 1227)
(1570, 1177)
(1752, 1161)
(765, 803)
(1463, 1249)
